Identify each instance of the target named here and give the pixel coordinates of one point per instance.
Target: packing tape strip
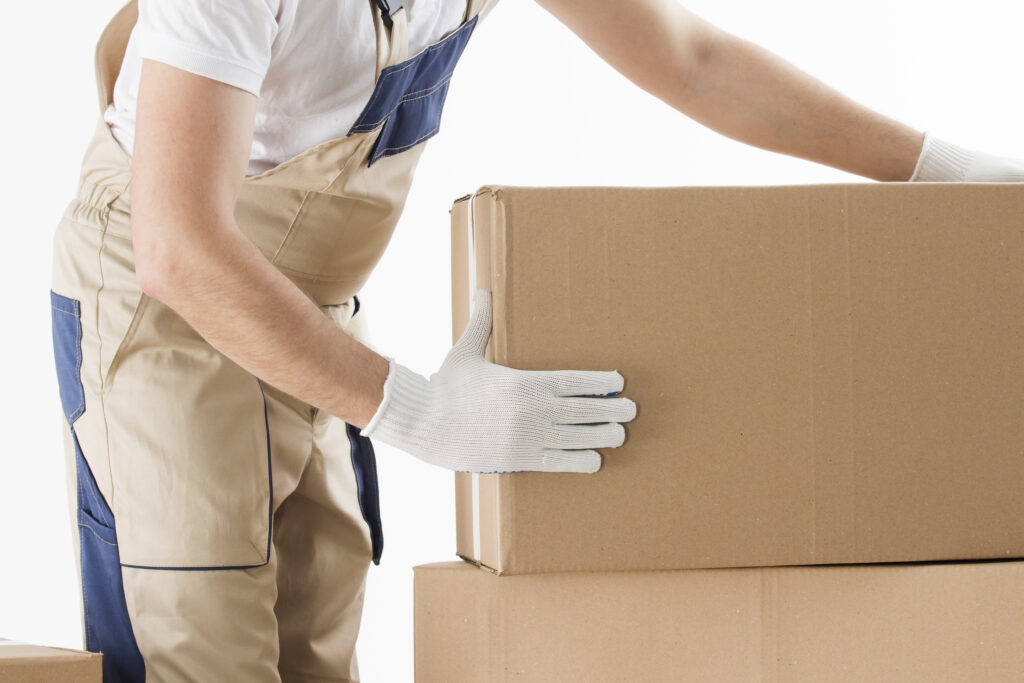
(474, 477)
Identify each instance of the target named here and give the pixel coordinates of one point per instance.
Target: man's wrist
(365, 377)
(407, 396)
(386, 390)
(940, 162)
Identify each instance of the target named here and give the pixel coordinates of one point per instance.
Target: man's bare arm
(739, 89)
(192, 144)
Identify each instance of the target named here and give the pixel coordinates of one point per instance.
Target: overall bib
(223, 527)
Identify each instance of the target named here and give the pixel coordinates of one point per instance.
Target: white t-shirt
(310, 62)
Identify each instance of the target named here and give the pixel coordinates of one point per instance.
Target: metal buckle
(386, 11)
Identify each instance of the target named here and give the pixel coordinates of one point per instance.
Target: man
(249, 168)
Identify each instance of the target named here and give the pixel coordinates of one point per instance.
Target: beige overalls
(225, 528)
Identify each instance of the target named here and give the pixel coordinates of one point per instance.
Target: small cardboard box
(823, 373)
(878, 623)
(24, 663)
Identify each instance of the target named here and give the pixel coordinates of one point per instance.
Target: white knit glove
(476, 416)
(944, 162)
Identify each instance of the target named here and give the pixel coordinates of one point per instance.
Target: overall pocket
(189, 448)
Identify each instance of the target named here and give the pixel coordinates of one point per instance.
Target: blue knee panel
(409, 96)
(108, 628)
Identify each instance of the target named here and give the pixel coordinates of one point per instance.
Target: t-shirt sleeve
(226, 40)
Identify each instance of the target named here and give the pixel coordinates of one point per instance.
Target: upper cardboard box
(823, 373)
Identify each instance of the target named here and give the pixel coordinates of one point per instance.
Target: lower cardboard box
(25, 663)
(900, 622)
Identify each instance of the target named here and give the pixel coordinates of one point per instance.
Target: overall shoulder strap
(110, 51)
(473, 8)
(390, 23)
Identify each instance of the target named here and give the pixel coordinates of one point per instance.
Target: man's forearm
(247, 309)
(748, 93)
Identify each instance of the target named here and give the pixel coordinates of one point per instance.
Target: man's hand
(475, 416)
(944, 162)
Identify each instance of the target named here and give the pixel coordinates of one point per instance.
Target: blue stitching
(270, 474)
(194, 569)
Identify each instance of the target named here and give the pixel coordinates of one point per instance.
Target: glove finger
(584, 382)
(609, 435)
(474, 339)
(570, 411)
(559, 460)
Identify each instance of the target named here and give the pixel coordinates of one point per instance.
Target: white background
(529, 105)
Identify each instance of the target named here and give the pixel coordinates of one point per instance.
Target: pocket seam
(107, 380)
(95, 532)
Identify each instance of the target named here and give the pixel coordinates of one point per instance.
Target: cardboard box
(824, 373)
(877, 623)
(24, 663)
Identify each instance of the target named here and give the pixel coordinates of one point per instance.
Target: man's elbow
(694, 56)
(161, 259)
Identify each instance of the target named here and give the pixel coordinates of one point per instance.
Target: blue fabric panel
(409, 96)
(364, 462)
(65, 314)
(108, 628)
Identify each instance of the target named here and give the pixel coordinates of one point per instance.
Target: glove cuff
(408, 397)
(940, 162)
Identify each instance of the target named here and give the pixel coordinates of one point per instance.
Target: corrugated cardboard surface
(881, 623)
(24, 663)
(824, 373)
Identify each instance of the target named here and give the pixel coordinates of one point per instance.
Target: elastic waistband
(102, 200)
(95, 206)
